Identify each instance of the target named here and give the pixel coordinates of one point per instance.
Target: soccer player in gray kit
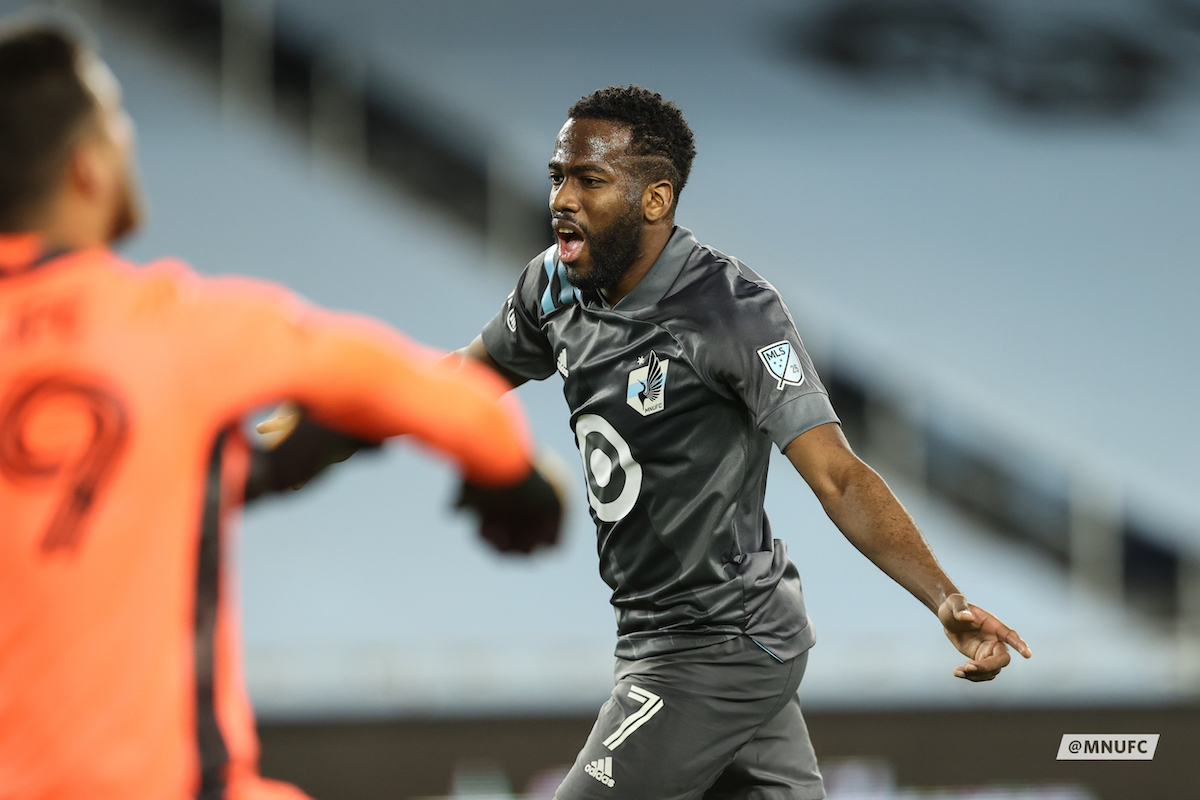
(681, 366)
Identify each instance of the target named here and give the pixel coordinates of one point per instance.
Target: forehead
(591, 141)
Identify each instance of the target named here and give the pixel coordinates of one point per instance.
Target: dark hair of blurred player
(66, 143)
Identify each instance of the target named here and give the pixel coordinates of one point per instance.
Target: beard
(613, 250)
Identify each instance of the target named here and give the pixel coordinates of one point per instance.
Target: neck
(654, 240)
(73, 225)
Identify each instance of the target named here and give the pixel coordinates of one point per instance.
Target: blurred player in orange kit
(122, 389)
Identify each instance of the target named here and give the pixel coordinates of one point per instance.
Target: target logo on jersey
(614, 478)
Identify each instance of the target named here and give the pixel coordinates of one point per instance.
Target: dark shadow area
(1055, 66)
(1151, 575)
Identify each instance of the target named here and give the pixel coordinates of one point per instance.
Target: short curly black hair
(659, 133)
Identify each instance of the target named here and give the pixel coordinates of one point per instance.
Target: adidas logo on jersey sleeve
(601, 770)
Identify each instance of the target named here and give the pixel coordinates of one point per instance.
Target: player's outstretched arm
(355, 376)
(868, 514)
(440, 400)
(517, 518)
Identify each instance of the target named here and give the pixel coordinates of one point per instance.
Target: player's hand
(279, 426)
(520, 518)
(980, 637)
(294, 450)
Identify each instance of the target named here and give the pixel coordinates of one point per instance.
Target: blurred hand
(294, 450)
(279, 426)
(520, 518)
(980, 637)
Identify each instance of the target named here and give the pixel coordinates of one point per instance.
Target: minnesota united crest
(648, 385)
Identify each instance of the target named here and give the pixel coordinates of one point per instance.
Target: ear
(85, 173)
(657, 199)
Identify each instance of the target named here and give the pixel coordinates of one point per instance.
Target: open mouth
(570, 240)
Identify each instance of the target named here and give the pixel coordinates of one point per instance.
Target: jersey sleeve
(354, 375)
(514, 337)
(759, 356)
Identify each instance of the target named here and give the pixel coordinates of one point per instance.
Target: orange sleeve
(357, 376)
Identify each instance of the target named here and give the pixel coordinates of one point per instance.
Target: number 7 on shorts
(651, 703)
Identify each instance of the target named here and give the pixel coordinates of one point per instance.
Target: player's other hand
(280, 425)
(293, 450)
(980, 637)
(520, 518)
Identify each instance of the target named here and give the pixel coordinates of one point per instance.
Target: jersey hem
(646, 644)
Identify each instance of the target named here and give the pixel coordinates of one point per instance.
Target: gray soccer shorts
(721, 721)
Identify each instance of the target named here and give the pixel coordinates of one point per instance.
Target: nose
(563, 197)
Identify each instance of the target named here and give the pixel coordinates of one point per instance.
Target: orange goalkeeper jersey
(120, 392)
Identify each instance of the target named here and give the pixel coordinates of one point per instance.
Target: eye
(591, 183)
(555, 179)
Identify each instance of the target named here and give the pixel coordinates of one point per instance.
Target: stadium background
(982, 217)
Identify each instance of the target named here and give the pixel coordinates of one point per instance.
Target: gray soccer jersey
(676, 394)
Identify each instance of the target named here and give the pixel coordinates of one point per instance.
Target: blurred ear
(657, 199)
(87, 167)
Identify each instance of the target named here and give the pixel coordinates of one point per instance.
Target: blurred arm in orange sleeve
(461, 410)
(361, 381)
(360, 378)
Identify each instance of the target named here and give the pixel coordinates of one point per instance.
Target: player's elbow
(840, 482)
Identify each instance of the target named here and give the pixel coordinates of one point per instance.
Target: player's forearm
(477, 351)
(868, 514)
